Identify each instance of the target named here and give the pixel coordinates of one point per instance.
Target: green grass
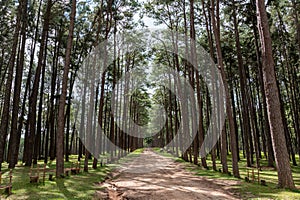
(81, 186)
(247, 190)
(84, 185)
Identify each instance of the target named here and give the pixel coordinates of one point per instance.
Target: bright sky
(149, 22)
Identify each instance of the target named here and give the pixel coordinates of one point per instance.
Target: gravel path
(152, 176)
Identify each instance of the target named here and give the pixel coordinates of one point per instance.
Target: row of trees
(41, 66)
(42, 75)
(259, 108)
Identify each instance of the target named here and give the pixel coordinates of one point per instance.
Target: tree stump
(263, 182)
(34, 179)
(51, 177)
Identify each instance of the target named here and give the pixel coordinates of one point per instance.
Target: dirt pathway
(152, 176)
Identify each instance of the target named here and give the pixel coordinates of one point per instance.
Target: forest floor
(153, 176)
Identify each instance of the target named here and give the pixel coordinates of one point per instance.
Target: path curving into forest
(172, 181)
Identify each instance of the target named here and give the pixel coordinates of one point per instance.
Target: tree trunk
(82, 119)
(34, 94)
(216, 27)
(285, 179)
(53, 97)
(37, 143)
(263, 93)
(8, 85)
(62, 100)
(14, 139)
(244, 91)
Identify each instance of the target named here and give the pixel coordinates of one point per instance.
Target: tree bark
(244, 91)
(285, 179)
(14, 139)
(33, 98)
(216, 28)
(37, 143)
(62, 100)
(8, 86)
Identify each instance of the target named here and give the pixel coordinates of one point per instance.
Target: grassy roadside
(84, 185)
(247, 190)
(81, 186)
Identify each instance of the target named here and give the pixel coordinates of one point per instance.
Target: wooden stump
(253, 177)
(263, 182)
(8, 185)
(34, 174)
(67, 172)
(51, 177)
(7, 188)
(34, 179)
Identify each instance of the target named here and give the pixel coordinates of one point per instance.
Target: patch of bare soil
(163, 183)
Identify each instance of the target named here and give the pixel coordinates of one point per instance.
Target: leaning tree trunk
(62, 100)
(216, 27)
(8, 86)
(285, 179)
(14, 138)
(28, 148)
(266, 125)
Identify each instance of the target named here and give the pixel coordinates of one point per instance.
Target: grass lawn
(248, 190)
(84, 185)
(81, 186)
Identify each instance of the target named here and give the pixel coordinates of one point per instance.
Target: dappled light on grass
(81, 186)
